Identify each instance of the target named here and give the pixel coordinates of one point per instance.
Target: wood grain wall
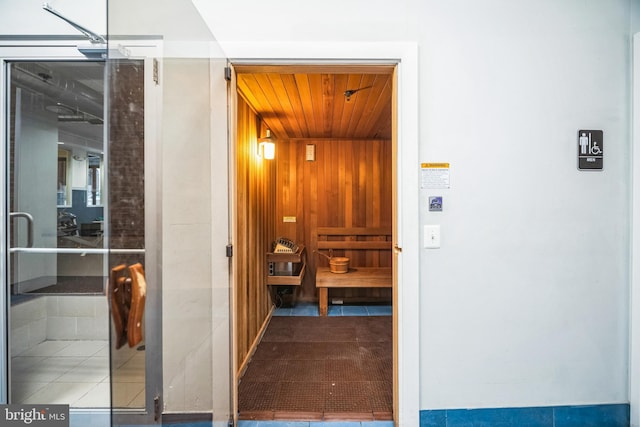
(255, 231)
(348, 185)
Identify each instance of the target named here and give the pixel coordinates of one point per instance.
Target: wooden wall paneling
(255, 230)
(336, 211)
(361, 203)
(311, 211)
(241, 227)
(341, 153)
(252, 243)
(347, 186)
(291, 199)
(372, 195)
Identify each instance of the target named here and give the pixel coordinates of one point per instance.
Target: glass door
(168, 83)
(58, 330)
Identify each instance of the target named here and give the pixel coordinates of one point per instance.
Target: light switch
(432, 236)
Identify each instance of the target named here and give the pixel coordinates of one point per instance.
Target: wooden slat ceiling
(298, 102)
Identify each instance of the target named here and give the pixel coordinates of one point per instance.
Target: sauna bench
(352, 239)
(357, 277)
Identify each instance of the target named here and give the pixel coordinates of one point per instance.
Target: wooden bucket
(339, 264)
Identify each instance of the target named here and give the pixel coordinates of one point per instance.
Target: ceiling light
(59, 108)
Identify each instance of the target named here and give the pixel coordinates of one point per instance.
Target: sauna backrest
(353, 238)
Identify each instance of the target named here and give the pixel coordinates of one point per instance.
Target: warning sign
(434, 175)
(590, 150)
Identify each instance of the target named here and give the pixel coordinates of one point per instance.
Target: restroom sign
(590, 150)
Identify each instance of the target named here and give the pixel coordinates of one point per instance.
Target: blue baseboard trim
(610, 415)
(172, 424)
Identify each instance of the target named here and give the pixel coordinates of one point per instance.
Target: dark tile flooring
(92, 285)
(320, 368)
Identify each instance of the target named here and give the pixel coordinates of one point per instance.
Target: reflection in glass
(63, 177)
(94, 180)
(59, 314)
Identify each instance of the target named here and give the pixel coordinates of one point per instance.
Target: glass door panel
(168, 56)
(58, 312)
(128, 294)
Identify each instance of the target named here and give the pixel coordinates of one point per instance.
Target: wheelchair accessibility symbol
(590, 149)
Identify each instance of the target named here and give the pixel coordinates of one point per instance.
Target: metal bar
(80, 251)
(93, 37)
(29, 219)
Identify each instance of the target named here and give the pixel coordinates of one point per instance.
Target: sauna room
(314, 196)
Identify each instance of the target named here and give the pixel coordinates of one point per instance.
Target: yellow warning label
(434, 165)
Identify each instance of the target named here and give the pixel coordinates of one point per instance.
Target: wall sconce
(267, 146)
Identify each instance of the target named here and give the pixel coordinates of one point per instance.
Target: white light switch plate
(432, 236)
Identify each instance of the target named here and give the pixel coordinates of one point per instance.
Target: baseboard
(605, 415)
(254, 345)
(186, 417)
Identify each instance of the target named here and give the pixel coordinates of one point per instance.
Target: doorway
(334, 167)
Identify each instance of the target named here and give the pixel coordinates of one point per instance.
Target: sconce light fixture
(267, 146)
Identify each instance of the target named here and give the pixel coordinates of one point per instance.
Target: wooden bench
(351, 239)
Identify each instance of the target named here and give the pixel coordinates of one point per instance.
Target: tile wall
(50, 317)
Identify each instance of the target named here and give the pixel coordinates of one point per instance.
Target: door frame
(405, 140)
(634, 291)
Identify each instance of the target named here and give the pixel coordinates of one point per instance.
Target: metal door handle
(29, 219)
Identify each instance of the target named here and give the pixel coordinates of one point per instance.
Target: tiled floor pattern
(244, 423)
(321, 369)
(77, 373)
(308, 309)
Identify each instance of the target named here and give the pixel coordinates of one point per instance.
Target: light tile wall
(82, 317)
(28, 324)
(65, 317)
(186, 237)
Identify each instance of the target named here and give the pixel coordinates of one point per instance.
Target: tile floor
(315, 424)
(77, 373)
(308, 309)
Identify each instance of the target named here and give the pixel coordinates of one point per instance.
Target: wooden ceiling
(311, 102)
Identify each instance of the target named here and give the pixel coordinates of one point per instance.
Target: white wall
(526, 301)
(36, 149)
(26, 17)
